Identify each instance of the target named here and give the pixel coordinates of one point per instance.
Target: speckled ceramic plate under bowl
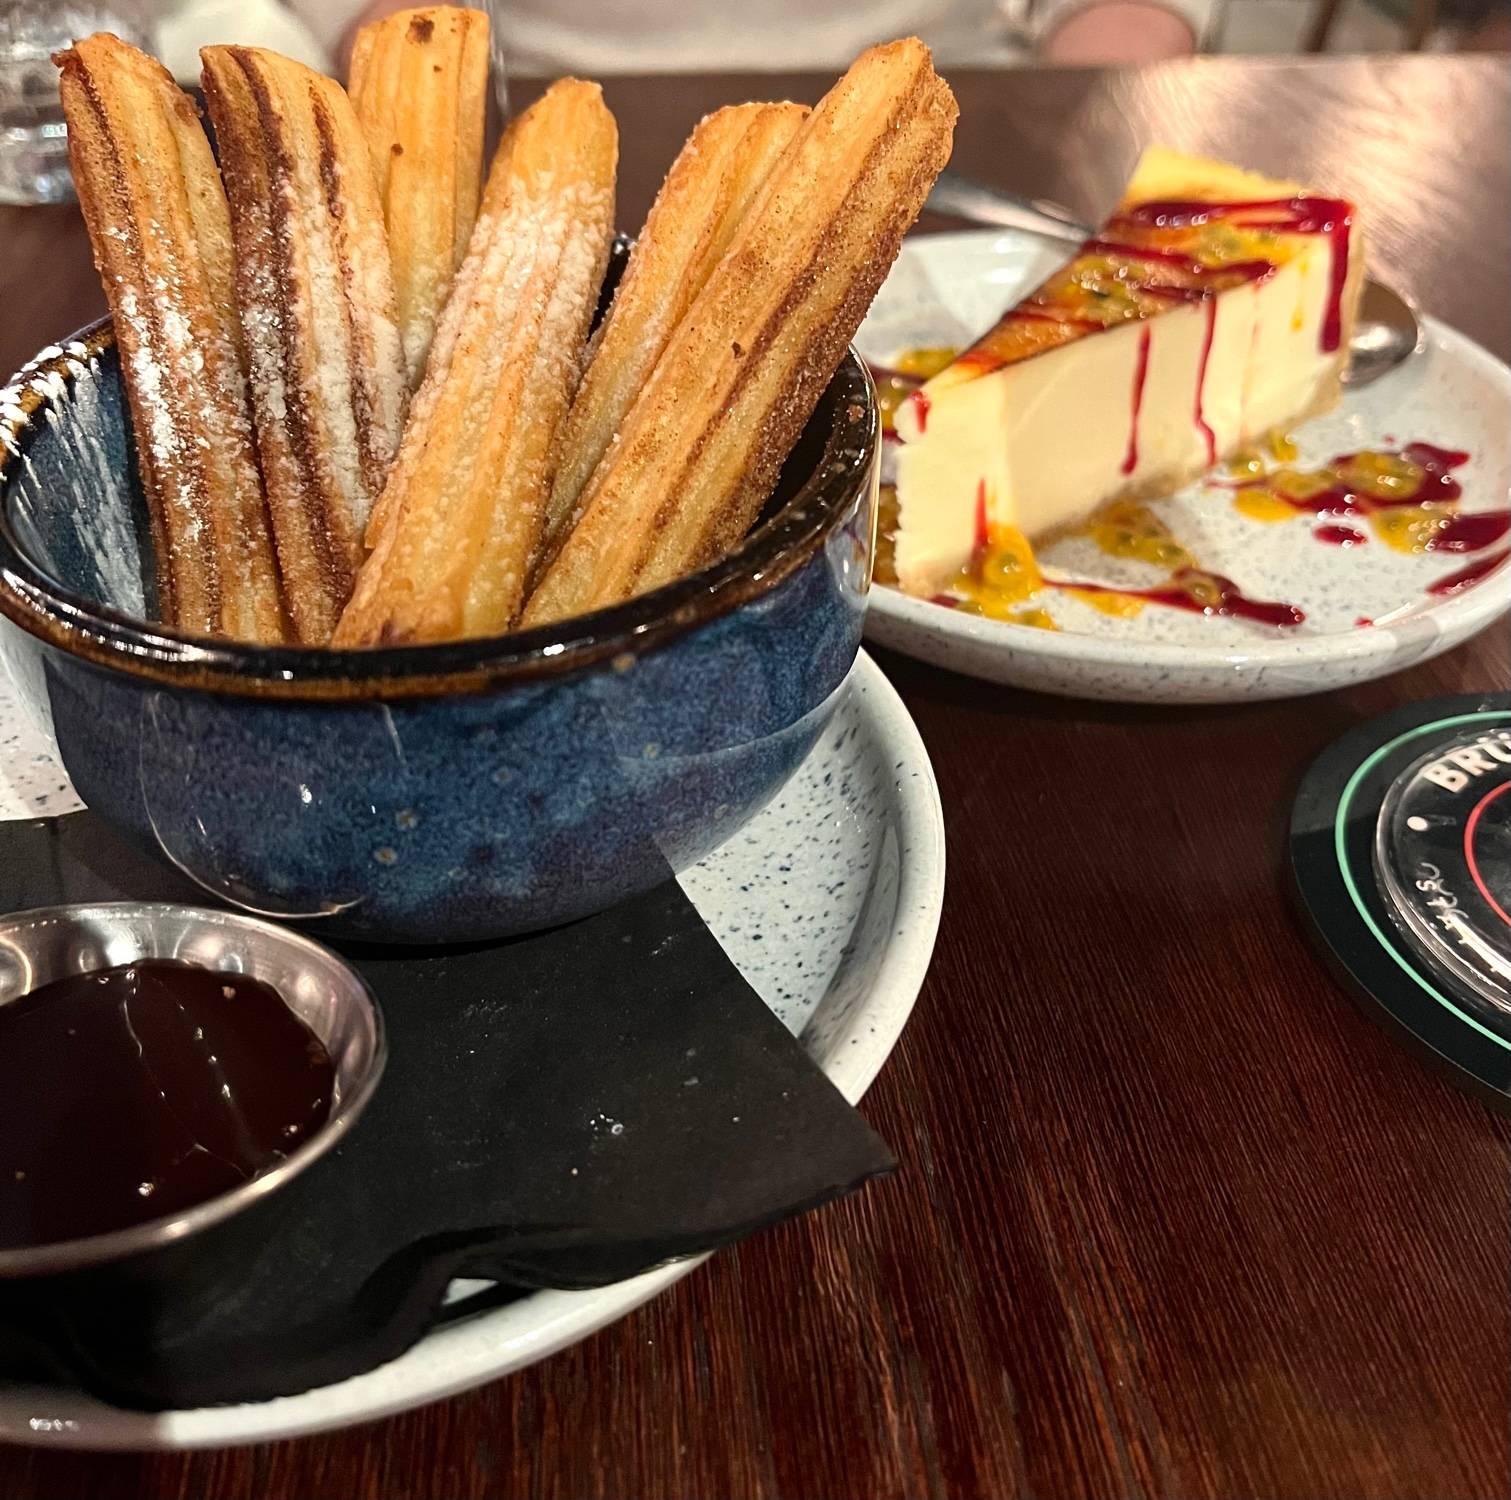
(947, 288)
(828, 901)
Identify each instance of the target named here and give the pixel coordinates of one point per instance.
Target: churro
(158, 222)
(462, 513)
(700, 450)
(418, 84)
(315, 291)
(700, 205)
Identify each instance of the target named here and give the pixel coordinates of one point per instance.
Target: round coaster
(1401, 853)
(1443, 858)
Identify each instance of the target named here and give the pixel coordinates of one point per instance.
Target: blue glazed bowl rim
(777, 547)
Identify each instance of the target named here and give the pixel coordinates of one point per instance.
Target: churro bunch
(702, 445)
(161, 232)
(695, 215)
(315, 290)
(419, 83)
(464, 508)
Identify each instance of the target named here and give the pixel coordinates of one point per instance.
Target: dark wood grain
(1174, 1219)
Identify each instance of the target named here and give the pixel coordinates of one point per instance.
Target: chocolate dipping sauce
(136, 1092)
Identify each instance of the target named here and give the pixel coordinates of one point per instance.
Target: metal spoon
(1387, 333)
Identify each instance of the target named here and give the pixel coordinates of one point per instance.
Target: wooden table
(1173, 1219)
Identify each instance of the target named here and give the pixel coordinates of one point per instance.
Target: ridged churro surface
(315, 291)
(158, 221)
(419, 84)
(463, 511)
(702, 445)
(695, 215)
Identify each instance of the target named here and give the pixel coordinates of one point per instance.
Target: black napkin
(561, 1110)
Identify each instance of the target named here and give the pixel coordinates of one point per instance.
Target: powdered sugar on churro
(315, 293)
(380, 391)
(461, 515)
(315, 296)
(156, 212)
(562, 300)
(161, 428)
(566, 299)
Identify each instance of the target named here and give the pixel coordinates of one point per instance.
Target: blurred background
(600, 38)
(621, 36)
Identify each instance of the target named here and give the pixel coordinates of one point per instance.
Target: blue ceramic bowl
(423, 793)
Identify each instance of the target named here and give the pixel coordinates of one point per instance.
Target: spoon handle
(963, 198)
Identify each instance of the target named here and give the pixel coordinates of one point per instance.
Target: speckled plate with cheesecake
(1144, 481)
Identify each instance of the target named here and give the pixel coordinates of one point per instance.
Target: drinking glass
(498, 74)
(33, 136)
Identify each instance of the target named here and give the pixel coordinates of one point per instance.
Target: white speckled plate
(828, 901)
(947, 288)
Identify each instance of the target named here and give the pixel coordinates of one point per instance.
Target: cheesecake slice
(1214, 306)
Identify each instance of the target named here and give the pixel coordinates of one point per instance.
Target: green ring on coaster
(1340, 847)
(1333, 829)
